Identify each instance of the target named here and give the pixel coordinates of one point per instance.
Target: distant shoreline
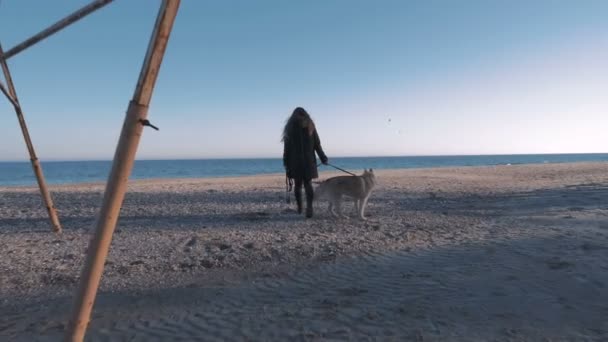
(280, 176)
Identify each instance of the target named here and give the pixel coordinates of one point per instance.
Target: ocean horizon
(19, 173)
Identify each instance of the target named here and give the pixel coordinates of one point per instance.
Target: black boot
(299, 201)
(309, 198)
(297, 190)
(309, 210)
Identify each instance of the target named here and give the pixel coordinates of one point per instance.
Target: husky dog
(359, 188)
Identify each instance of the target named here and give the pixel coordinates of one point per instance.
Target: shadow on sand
(533, 289)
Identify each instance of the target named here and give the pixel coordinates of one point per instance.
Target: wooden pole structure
(119, 175)
(70, 19)
(8, 96)
(12, 97)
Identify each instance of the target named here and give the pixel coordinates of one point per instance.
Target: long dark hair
(299, 119)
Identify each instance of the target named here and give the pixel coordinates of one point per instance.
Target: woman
(300, 142)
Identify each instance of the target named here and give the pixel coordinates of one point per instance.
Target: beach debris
(123, 270)
(193, 240)
(223, 246)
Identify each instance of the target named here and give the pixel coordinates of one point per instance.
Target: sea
(66, 172)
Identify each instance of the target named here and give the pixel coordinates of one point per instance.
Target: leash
(337, 168)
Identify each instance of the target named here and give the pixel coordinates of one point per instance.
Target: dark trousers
(298, 192)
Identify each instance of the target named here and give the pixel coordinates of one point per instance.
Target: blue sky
(379, 77)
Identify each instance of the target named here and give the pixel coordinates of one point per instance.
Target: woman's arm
(319, 149)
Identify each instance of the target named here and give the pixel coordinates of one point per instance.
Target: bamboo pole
(70, 19)
(119, 175)
(44, 191)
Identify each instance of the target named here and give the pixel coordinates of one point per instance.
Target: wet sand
(506, 253)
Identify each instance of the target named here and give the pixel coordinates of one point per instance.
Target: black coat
(299, 154)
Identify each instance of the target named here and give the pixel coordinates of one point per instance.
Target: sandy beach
(501, 253)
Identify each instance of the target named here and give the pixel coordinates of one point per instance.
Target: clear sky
(379, 77)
